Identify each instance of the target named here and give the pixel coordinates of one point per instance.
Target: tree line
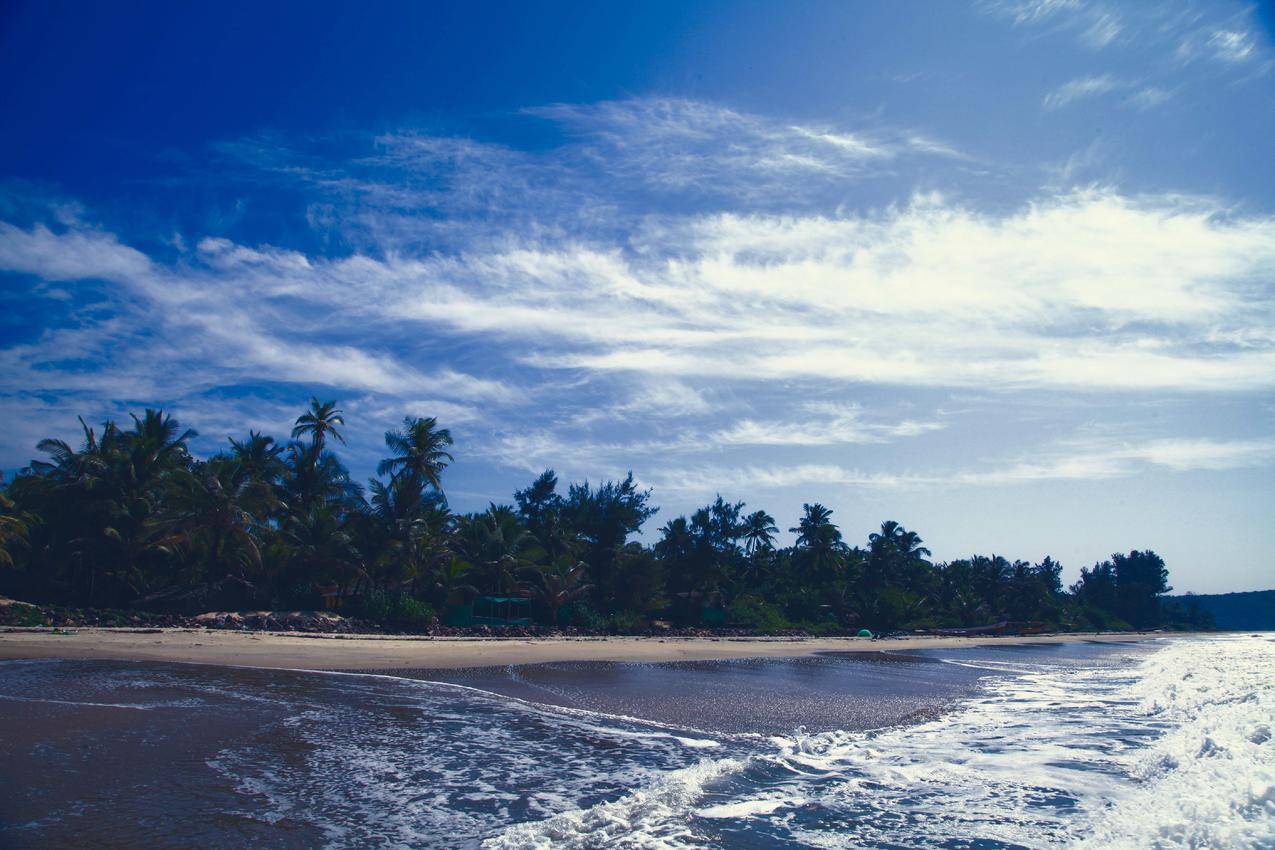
(131, 514)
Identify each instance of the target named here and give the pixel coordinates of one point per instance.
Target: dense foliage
(1253, 610)
(131, 517)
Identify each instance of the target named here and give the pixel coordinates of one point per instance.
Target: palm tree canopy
(320, 422)
(420, 451)
(759, 531)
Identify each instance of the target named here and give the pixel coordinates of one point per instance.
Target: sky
(1002, 271)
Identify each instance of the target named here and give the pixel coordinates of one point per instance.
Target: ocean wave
(650, 817)
(1169, 750)
(1210, 780)
(1168, 745)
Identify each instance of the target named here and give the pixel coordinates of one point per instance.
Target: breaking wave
(1168, 750)
(1163, 745)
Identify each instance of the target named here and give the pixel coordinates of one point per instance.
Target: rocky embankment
(16, 614)
(19, 615)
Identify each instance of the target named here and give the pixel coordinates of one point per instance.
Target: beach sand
(373, 652)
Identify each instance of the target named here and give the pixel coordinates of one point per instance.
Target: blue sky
(1002, 271)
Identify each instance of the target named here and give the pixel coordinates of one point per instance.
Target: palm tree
(815, 527)
(420, 451)
(320, 547)
(314, 475)
(131, 484)
(320, 422)
(13, 526)
(819, 544)
(156, 440)
(759, 532)
(896, 555)
(886, 537)
(414, 529)
(70, 466)
(219, 504)
(451, 583)
(258, 456)
(556, 585)
(68, 487)
(498, 544)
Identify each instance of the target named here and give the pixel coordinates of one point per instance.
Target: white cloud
(1103, 30)
(678, 144)
(1080, 89)
(649, 341)
(1069, 462)
(1179, 32)
(824, 424)
(1031, 11)
(75, 254)
(1232, 46)
(1088, 289)
(245, 317)
(1149, 97)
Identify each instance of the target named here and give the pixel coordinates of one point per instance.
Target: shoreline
(342, 652)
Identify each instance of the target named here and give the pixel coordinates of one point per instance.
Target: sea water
(1161, 744)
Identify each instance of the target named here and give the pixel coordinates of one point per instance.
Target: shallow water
(1157, 745)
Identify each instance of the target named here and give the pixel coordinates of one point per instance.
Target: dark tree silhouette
(130, 514)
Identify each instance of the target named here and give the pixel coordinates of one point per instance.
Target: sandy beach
(363, 652)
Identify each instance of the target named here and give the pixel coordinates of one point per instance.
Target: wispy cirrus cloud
(1172, 35)
(610, 164)
(1089, 289)
(488, 283)
(823, 424)
(820, 424)
(1232, 45)
(1081, 88)
(1073, 462)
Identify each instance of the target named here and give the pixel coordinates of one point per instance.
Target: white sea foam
(1170, 750)
(1210, 781)
(650, 817)
(136, 707)
(746, 808)
(1171, 747)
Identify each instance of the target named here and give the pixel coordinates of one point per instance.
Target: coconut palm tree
(223, 504)
(313, 475)
(131, 486)
(819, 546)
(68, 465)
(259, 456)
(420, 452)
(415, 529)
(13, 526)
(320, 422)
(451, 582)
(556, 584)
(156, 445)
(896, 556)
(498, 545)
(759, 532)
(320, 547)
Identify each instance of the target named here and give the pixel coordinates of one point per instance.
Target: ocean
(1161, 744)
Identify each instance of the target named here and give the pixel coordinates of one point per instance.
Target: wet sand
(374, 652)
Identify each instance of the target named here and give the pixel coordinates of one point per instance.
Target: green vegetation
(131, 518)
(1251, 611)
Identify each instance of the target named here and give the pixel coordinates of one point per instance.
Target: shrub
(582, 616)
(824, 628)
(627, 623)
(1101, 619)
(396, 609)
(754, 613)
